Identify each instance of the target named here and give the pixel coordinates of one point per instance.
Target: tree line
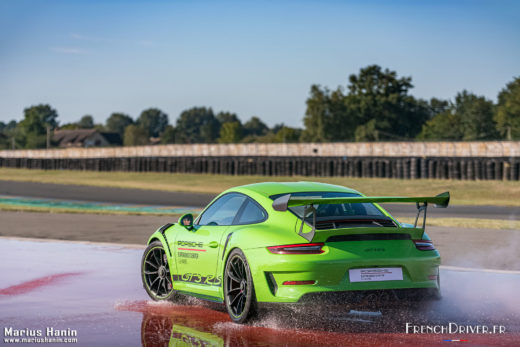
(375, 105)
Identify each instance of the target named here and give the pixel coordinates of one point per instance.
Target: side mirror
(186, 221)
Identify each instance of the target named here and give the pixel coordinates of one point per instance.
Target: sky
(253, 58)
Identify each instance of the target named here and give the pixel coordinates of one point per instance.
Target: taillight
(302, 248)
(424, 245)
(298, 283)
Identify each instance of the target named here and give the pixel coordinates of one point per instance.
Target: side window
(223, 211)
(251, 214)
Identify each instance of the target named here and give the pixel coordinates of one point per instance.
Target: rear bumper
(363, 299)
(330, 274)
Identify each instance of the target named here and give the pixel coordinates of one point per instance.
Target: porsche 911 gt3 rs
(295, 242)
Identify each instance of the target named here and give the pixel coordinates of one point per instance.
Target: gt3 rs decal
(209, 280)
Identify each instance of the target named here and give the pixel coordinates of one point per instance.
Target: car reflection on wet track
(96, 289)
(167, 324)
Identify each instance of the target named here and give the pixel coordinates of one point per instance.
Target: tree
(230, 132)
(117, 123)
(9, 133)
(287, 134)
(33, 128)
(227, 117)
(367, 131)
(444, 126)
(153, 121)
(4, 140)
(255, 127)
(135, 136)
(476, 117)
(468, 118)
(168, 135)
(197, 125)
(233, 130)
(69, 126)
(317, 116)
(377, 106)
(436, 106)
(86, 122)
(380, 97)
(507, 115)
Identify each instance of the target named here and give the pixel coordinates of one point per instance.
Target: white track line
(137, 246)
(31, 239)
(471, 269)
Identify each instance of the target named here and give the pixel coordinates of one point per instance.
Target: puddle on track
(97, 291)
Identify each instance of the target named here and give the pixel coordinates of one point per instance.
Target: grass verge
(499, 193)
(7, 207)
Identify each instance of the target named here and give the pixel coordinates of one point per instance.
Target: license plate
(376, 274)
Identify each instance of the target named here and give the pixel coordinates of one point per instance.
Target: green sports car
(295, 242)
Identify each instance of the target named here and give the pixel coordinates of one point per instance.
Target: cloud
(69, 50)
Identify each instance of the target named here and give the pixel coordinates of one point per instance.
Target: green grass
(9, 207)
(500, 193)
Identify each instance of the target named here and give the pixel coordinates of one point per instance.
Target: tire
(239, 291)
(155, 272)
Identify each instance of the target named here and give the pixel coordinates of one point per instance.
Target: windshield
(335, 211)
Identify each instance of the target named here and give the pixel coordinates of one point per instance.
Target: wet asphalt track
(153, 197)
(96, 289)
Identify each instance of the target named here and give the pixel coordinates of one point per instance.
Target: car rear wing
(283, 202)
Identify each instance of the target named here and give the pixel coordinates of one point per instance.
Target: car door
(250, 213)
(197, 249)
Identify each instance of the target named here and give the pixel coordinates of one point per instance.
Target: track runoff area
(91, 294)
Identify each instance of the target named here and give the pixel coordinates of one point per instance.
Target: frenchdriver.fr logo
(454, 328)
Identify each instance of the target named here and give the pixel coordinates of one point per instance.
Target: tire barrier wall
(459, 168)
(488, 149)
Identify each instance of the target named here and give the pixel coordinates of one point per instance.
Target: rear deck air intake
(369, 237)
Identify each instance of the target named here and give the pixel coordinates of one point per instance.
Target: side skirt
(201, 296)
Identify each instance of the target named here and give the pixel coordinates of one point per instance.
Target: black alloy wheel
(239, 291)
(155, 272)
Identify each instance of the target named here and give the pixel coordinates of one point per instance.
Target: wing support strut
(421, 208)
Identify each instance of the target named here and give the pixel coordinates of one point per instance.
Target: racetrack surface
(482, 248)
(154, 197)
(103, 194)
(96, 290)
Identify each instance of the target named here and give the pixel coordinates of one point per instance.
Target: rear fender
(253, 241)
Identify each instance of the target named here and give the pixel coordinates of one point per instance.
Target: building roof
(77, 137)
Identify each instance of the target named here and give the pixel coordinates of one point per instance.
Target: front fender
(157, 236)
(160, 235)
